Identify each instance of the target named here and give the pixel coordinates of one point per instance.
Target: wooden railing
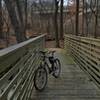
(86, 53)
(17, 66)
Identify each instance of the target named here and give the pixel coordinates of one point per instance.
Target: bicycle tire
(41, 88)
(57, 65)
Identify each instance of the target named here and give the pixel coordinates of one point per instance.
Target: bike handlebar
(44, 52)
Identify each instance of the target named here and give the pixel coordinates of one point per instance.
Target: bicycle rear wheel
(40, 78)
(56, 68)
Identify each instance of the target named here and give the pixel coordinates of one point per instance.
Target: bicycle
(41, 74)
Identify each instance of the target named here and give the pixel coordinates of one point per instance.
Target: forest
(24, 19)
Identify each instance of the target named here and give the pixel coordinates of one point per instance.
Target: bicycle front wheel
(57, 68)
(40, 78)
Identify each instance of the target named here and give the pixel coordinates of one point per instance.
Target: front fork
(51, 69)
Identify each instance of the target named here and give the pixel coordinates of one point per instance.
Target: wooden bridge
(80, 76)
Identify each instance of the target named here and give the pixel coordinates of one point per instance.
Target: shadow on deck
(72, 85)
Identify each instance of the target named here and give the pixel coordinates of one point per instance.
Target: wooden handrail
(16, 46)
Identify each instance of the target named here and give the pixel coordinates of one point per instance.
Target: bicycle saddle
(43, 52)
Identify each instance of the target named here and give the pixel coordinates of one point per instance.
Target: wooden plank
(84, 39)
(88, 65)
(23, 59)
(82, 67)
(83, 55)
(17, 46)
(86, 50)
(73, 84)
(87, 46)
(15, 53)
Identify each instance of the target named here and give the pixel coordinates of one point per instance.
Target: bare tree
(6, 27)
(19, 9)
(77, 17)
(56, 23)
(22, 7)
(43, 12)
(26, 15)
(61, 19)
(18, 28)
(1, 20)
(83, 18)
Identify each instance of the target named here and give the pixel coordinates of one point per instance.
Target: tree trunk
(96, 20)
(83, 18)
(77, 17)
(23, 20)
(1, 20)
(56, 24)
(14, 20)
(61, 20)
(26, 15)
(19, 9)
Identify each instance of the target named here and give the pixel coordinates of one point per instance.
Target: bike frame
(45, 61)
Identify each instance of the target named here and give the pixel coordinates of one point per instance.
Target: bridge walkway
(73, 83)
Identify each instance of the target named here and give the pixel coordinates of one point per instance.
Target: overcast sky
(65, 2)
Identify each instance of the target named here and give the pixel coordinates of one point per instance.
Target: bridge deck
(72, 85)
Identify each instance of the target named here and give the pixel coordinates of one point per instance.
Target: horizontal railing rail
(17, 66)
(86, 53)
